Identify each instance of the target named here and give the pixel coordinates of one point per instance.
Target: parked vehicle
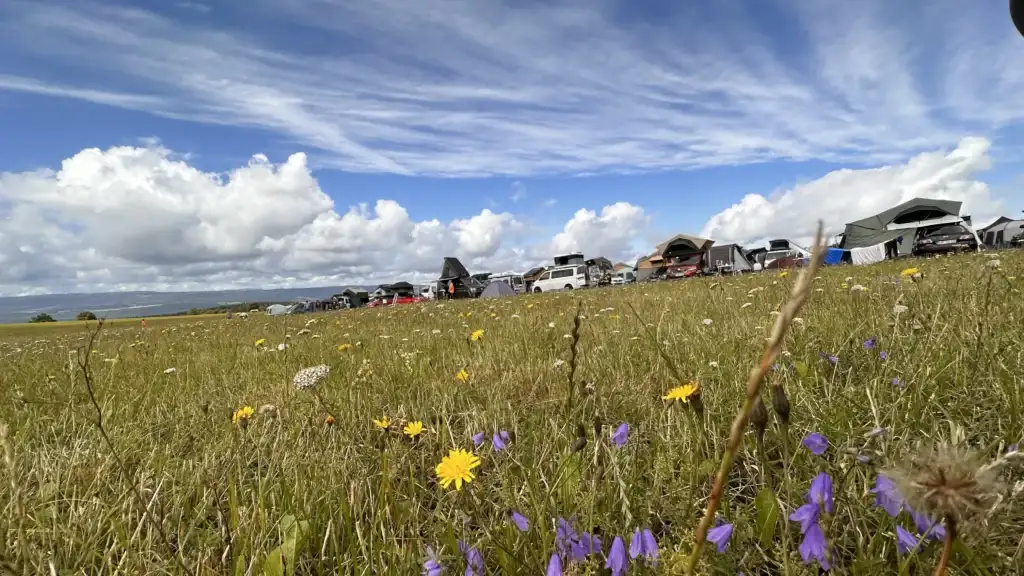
(397, 300)
(562, 278)
(944, 239)
(515, 281)
(623, 277)
(685, 266)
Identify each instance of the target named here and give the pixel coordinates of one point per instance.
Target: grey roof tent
(452, 269)
(728, 257)
(496, 289)
(875, 229)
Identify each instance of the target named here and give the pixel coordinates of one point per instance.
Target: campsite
(595, 418)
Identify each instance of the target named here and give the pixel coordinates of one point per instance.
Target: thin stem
(801, 290)
(947, 547)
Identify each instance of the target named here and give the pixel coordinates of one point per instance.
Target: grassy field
(918, 379)
(77, 326)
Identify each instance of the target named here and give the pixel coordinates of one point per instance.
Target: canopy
(902, 220)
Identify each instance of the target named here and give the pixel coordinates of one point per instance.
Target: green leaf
(801, 368)
(274, 564)
(292, 532)
(767, 516)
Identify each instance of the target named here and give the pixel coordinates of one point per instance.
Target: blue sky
(741, 120)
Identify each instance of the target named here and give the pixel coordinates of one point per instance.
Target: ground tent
(277, 309)
(901, 221)
(728, 258)
(496, 289)
(999, 235)
(836, 256)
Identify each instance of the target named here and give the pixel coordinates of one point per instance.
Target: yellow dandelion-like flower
(910, 272)
(529, 306)
(383, 423)
(784, 273)
(343, 347)
(330, 420)
(682, 393)
(261, 342)
(468, 314)
(242, 415)
(413, 429)
(476, 335)
(457, 467)
(462, 376)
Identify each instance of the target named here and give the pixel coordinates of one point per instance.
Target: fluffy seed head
(308, 378)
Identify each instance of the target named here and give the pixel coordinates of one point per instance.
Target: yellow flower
(261, 341)
(468, 314)
(784, 273)
(242, 415)
(343, 347)
(457, 467)
(844, 285)
(529, 306)
(413, 429)
(910, 272)
(330, 420)
(383, 423)
(682, 393)
(462, 376)
(476, 335)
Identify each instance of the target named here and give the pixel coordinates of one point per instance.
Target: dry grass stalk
(801, 291)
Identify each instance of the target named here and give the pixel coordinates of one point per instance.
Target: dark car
(945, 239)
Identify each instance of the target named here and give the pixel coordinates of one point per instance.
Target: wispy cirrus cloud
(484, 87)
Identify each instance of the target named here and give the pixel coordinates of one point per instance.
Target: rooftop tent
(902, 220)
(496, 289)
(567, 259)
(728, 258)
(452, 269)
(682, 244)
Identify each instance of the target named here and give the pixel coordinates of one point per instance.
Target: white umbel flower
(308, 378)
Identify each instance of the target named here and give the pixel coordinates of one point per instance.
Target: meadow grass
(78, 326)
(289, 492)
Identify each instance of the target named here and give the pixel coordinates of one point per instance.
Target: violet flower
(905, 541)
(432, 567)
(474, 560)
(806, 515)
(621, 435)
(521, 522)
(815, 547)
(887, 496)
(821, 491)
(499, 439)
(478, 439)
(883, 355)
(584, 546)
(554, 566)
(642, 543)
(565, 535)
(926, 525)
(816, 443)
(720, 535)
(616, 561)
(898, 383)
(869, 343)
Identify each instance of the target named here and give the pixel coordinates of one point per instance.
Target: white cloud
(144, 218)
(518, 191)
(473, 87)
(549, 203)
(846, 195)
(610, 234)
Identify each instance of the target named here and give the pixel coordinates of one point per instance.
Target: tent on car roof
(904, 221)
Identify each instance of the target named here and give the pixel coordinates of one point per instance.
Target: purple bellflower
(816, 443)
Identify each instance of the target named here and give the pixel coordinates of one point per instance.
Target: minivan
(561, 278)
(623, 277)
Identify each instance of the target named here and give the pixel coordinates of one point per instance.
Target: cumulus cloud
(846, 195)
(143, 218)
(477, 87)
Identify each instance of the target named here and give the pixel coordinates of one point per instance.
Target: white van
(515, 281)
(562, 278)
(623, 277)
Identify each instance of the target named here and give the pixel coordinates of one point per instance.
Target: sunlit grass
(357, 497)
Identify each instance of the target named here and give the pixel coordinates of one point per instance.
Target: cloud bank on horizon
(911, 98)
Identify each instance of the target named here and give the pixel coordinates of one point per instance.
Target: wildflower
(816, 443)
(642, 543)
(558, 363)
(329, 420)
(994, 264)
(344, 347)
(806, 515)
(170, 371)
(565, 535)
(1012, 449)
(457, 467)
(883, 355)
(682, 393)
(383, 423)
(899, 309)
(474, 560)
(308, 378)
(521, 522)
(887, 496)
(584, 546)
(708, 321)
(909, 272)
(620, 435)
(814, 547)
(281, 347)
(927, 526)
(720, 535)
(876, 432)
(462, 376)
(476, 335)
(478, 439)
(821, 491)
(432, 567)
(413, 429)
(784, 273)
(898, 383)
(242, 415)
(905, 541)
(617, 557)
(261, 342)
(869, 343)
(499, 439)
(554, 566)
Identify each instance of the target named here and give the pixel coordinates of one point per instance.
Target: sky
(202, 144)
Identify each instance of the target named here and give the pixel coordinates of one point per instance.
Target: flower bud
(759, 418)
(780, 403)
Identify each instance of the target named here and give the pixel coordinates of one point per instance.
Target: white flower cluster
(308, 378)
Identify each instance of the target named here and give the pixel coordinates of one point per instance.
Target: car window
(545, 276)
(948, 230)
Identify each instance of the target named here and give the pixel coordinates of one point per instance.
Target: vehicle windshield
(687, 260)
(948, 231)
